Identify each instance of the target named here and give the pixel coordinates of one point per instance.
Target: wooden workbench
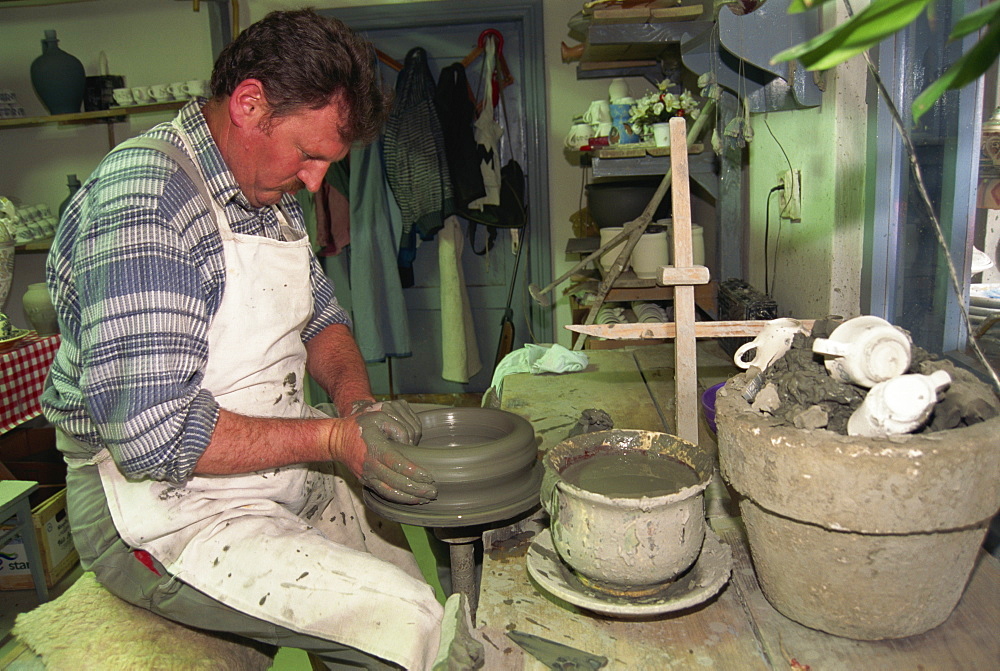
(737, 629)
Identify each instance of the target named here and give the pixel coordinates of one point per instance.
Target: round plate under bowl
(484, 462)
(701, 582)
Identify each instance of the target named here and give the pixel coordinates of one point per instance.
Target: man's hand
(369, 445)
(398, 410)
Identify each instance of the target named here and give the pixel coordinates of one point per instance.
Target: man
(200, 484)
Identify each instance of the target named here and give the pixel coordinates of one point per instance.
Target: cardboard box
(55, 545)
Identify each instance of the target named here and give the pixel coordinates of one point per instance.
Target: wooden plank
(675, 13)
(594, 65)
(633, 151)
(716, 634)
(967, 640)
(714, 329)
(674, 276)
(686, 355)
(89, 117)
(553, 403)
(613, 15)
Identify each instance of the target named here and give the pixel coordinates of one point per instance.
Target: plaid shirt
(136, 273)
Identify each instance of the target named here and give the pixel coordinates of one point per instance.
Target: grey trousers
(104, 553)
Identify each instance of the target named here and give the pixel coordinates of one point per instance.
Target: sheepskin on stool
(90, 628)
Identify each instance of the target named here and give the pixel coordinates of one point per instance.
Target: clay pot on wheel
(866, 538)
(485, 464)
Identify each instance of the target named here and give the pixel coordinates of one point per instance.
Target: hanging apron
(287, 545)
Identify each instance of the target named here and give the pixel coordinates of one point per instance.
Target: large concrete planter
(860, 537)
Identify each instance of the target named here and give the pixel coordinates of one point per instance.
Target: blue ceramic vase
(58, 77)
(621, 124)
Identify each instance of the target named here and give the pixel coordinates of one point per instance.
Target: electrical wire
(767, 235)
(773, 136)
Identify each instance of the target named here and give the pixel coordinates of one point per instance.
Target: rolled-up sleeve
(135, 289)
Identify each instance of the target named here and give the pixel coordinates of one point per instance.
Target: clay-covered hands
(398, 410)
(372, 452)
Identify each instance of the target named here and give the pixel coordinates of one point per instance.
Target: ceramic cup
(608, 257)
(123, 97)
(161, 92)
(603, 129)
(197, 88)
(579, 135)
(599, 112)
(770, 344)
(142, 95)
(897, 406)
(651, 253)
(865, 350)
(179, 90)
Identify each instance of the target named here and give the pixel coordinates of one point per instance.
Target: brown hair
(306, 61)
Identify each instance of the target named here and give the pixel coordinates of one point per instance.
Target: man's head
(306, 61)
(289, 96)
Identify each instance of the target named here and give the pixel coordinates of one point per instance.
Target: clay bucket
(866, 538)
(630, 545)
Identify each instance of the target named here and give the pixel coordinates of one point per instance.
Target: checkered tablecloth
(22, 376)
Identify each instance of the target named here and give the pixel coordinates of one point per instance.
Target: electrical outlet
(791, 195)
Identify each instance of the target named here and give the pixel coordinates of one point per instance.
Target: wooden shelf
(101, 116)
(634, 150)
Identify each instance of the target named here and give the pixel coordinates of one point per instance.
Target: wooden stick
(661, 330)
(685, 345)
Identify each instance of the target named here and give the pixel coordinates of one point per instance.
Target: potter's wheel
(463, 508)
(702, 581)
(484, 462)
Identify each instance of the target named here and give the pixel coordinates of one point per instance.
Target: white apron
(263, 542)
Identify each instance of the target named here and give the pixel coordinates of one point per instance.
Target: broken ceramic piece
(771, 343)
(865, 350)
(898, 406)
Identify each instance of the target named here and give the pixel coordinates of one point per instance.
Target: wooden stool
(90, 628)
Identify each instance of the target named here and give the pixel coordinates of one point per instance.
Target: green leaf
(859, 33)
(966, 69)
(973, 21)
(799, 6)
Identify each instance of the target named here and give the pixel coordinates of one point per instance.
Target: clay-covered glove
(384, 468)
(460, 648)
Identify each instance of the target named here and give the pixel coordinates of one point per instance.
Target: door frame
(528, 13)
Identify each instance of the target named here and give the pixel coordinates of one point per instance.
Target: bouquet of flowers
(659, 105)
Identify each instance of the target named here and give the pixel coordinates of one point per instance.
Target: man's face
(294, 152)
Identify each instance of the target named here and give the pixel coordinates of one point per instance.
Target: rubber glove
(460, 648)
(399, 410)
(384, 469)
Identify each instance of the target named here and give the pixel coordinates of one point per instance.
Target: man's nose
(312, 174)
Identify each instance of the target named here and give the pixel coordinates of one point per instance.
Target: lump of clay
(592, 420)
(967, 401)
(813, 417)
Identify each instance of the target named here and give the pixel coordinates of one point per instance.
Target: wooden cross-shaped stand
(683, 276)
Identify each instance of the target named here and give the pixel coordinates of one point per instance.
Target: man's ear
(248, 104)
